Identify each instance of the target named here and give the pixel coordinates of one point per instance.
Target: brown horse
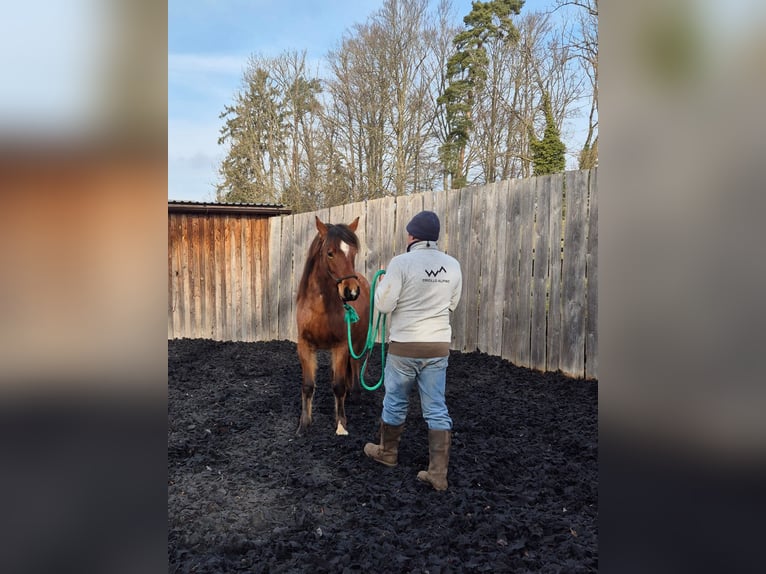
(329, 280)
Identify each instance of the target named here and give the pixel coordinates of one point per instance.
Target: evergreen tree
(254, 129)
(589, 155)
(467, 72)
(547, 153)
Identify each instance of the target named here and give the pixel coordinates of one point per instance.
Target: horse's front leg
(307, 356)
(341, 379)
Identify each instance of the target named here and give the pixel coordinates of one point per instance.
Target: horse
(328, 282)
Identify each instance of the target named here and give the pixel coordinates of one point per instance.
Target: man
(419, 290)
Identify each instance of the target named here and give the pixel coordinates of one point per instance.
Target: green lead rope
(351, 316)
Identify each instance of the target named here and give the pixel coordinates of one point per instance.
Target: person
(419, 290)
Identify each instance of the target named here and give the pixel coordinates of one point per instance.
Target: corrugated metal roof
(182, 206)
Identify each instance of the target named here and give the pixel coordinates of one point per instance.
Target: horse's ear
(353, 225)
(321, 227)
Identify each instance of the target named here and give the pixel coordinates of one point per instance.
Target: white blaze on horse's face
(345, 247)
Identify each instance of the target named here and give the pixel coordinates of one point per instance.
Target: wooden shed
(218, 256)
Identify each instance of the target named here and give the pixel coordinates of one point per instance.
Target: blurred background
(83, 110)
(682, 272)
(83, 180)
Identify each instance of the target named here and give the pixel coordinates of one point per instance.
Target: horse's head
(337, 253)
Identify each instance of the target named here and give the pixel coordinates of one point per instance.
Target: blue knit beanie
(425, 226)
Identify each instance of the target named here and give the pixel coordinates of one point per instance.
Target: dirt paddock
(246, 495)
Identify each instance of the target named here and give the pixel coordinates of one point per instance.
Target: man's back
(420, 289)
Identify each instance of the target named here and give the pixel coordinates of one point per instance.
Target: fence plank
(195, 309)
(473, 263)
(261, 255)
(438, 204)
(244, 272)
(236, 274)
(541, 272)
(527, 213)
(260, 250)
(240, 263)
(273, 286)
(380, 225)
(217, 246)
(388, 229)
(210, 319)
(591, 275)
(572, 277)
(499, 269)
(334, 215)
(351, 212)
(371, 262)
(225, 280)
(428, 202)
(406, 208)
(231, 281)
(220, 276)
(252, 301)
(210, 272)
(261, 287)
(487, 266)
(290, 254)
(554, 307)
(452, 209)
(174, 245)
(186, 292)
(182, 307)
(261, 239)
(510, 347)
(303, 237)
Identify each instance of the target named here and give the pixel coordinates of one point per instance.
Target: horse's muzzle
(348, 288)
(350, 294)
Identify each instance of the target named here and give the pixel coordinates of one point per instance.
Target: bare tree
(383, 104)
(505, 110)
(441, 48)
(512, 107)
(300, 181)
(584, 45)
(357, 109)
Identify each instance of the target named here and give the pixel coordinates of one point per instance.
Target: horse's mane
(335, 233)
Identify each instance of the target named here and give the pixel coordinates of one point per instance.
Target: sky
(209, 43)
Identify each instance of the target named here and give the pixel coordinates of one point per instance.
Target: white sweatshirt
(419, 289)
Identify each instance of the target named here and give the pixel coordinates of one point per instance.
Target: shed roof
(269, 209)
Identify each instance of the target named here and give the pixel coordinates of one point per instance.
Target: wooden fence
(527, 248)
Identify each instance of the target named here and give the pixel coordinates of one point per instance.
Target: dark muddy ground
(246, 495)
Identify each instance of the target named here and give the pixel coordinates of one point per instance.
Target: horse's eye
(330, 254)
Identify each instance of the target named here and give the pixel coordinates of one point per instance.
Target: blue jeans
(431, 375)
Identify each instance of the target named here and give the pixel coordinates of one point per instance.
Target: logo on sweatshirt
(431, 273)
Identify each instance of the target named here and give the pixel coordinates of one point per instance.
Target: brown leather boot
(387, 452)
(438, 449)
